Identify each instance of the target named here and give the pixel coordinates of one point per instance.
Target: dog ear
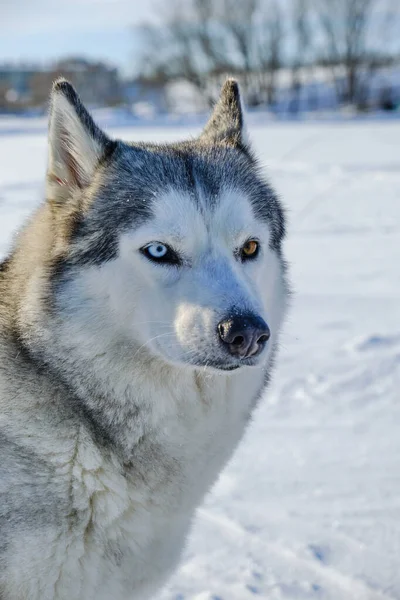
(76, 144)
(226, 124)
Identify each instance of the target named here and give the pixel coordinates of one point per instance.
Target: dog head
(174, 250)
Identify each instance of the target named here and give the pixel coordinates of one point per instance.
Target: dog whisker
(151, 340)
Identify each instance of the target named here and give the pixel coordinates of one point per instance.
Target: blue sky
(42, 30)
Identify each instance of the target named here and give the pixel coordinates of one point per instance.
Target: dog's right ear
(226, 125)
(76, 144)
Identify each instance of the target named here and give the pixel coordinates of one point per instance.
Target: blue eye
(160, 253)
(157, 250)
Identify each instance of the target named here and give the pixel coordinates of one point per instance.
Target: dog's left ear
(76, 144)
(226, 124)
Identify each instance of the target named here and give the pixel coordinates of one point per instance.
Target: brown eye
(250, 249)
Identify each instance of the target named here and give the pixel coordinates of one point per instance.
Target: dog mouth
(228, 367)
(217, 363)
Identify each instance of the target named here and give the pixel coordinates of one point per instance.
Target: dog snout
(244, 336)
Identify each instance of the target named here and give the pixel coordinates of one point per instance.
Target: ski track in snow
(309, 507)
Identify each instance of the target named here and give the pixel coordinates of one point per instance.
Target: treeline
(201, 41)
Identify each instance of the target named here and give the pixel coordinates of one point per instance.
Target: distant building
(24, 86)
(15, 83)
(97, 83)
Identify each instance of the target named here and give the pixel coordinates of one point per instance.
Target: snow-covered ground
(310, 505)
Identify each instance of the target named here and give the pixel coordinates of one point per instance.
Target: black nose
(244, 335)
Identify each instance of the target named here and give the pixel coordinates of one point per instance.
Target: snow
(309, 507)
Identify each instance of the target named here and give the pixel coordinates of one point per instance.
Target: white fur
(148, 519)
(171, 310)
(196, 416)
(131, 520)
(68, 140)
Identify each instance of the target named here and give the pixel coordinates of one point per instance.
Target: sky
(43, 30)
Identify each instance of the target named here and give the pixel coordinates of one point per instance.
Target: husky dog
(139, 313)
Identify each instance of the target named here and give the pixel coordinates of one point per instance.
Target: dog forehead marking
(231, 217)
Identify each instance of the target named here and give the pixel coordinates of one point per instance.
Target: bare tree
(270, 47)
(347, 28)
(239, 23)
(189, 43)
(302, 34)
(203, 40)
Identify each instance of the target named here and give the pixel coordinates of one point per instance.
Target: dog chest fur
(127, 522)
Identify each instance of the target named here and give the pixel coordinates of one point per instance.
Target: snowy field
(309, 508)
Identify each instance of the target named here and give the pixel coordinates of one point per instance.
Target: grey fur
(51, 396)
(134, 174)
